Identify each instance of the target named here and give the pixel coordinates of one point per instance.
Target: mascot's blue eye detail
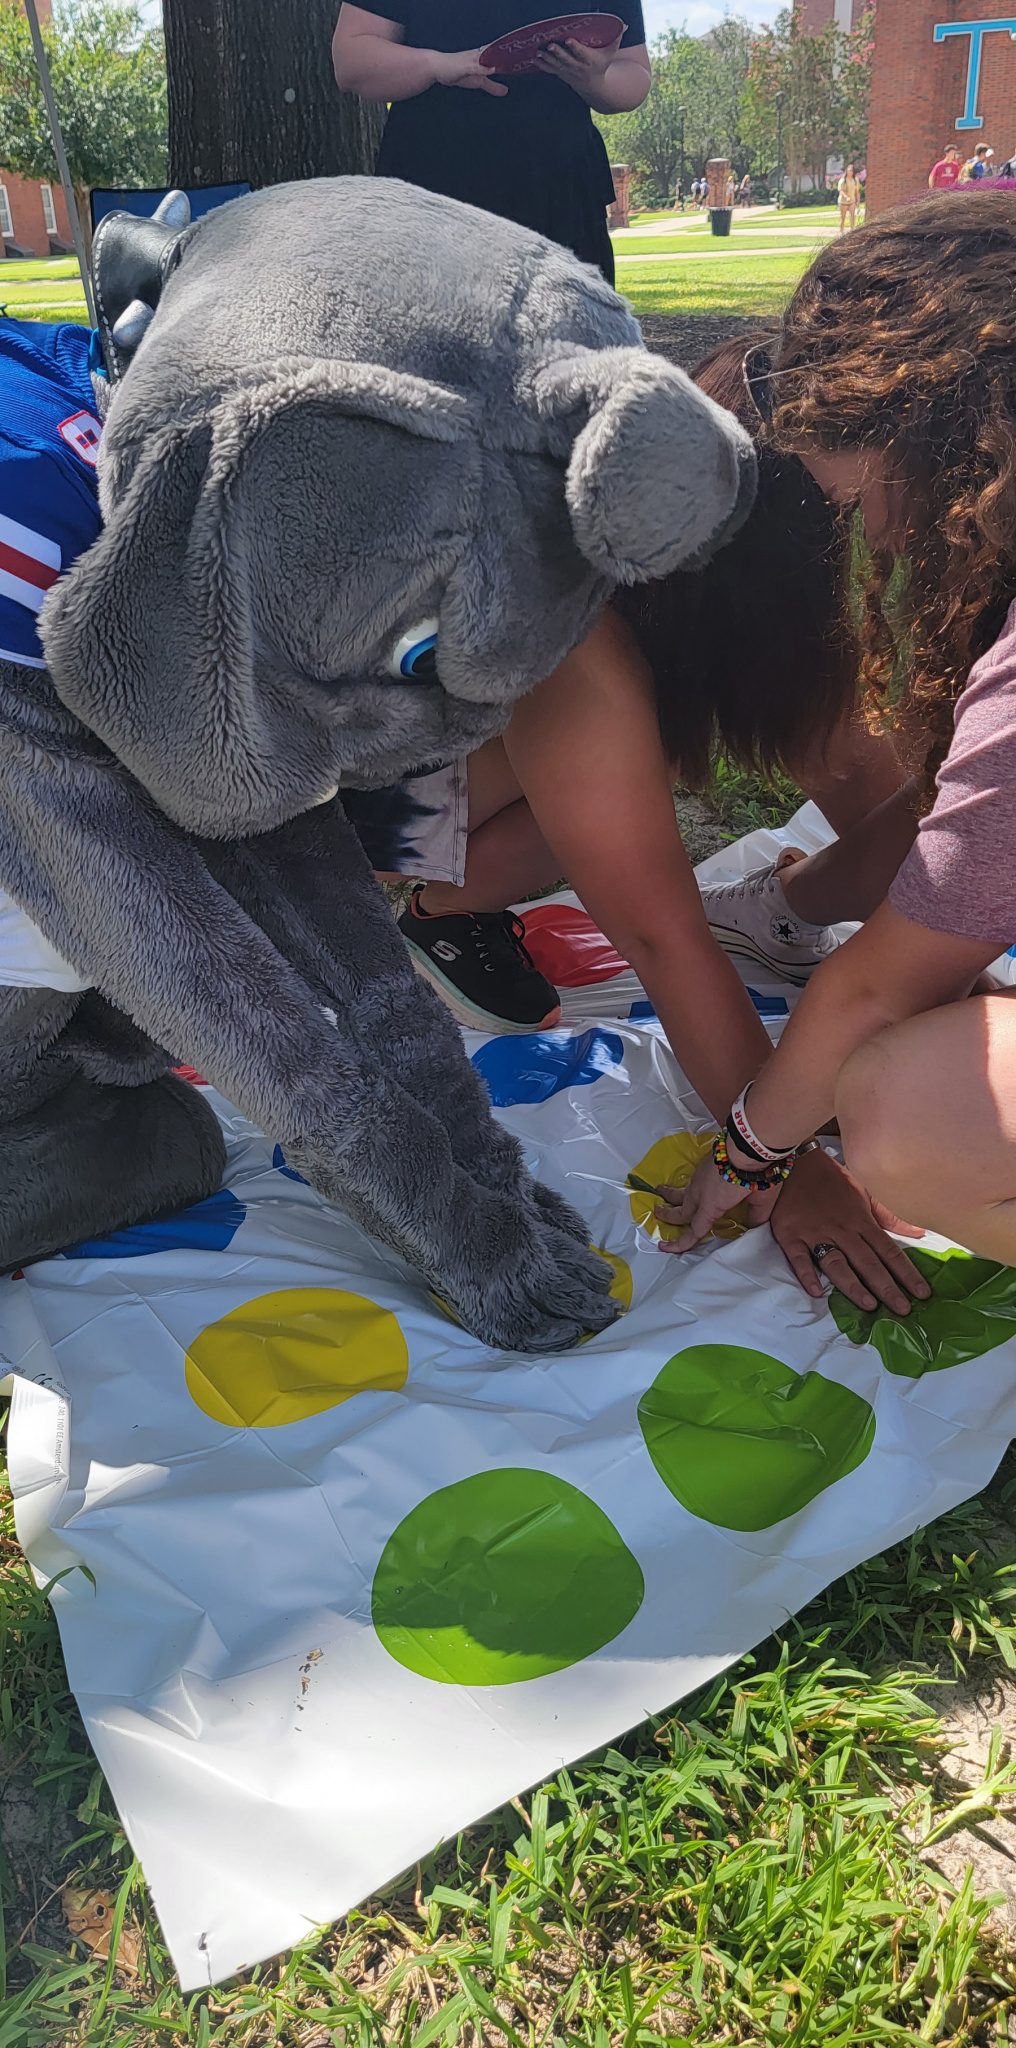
(414, 656)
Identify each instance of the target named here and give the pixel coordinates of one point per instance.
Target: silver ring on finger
(822, 1251)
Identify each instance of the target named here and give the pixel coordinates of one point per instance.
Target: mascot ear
(658, 475)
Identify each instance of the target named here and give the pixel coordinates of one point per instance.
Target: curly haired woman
(896, 385)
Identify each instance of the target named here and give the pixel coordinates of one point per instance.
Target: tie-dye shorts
(418, 827)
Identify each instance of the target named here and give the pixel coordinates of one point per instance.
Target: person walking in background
(946, 172)
(849, 192)
(744, 189)
(977, 166)
(528, 149)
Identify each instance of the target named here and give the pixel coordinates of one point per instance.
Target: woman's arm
(369, 58)
(889, 971)
(860, 786)
(611, 81)
(850, 775)
(846, 881)
(585, 746)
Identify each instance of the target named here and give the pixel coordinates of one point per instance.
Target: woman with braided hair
(895, 384)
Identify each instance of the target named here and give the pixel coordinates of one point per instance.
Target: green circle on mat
(505, 1576)
(742, 1440)
(971, 1309)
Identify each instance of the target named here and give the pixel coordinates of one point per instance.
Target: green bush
(812, 198)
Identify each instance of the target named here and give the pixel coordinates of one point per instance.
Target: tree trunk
(252, 95)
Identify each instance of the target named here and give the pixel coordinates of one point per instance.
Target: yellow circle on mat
(285, 1356)
(671, 1163)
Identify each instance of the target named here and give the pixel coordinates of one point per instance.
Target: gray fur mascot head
(360, 409)
(372, 464)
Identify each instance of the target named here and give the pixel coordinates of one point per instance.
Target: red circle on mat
(568, 947)
(518, 50)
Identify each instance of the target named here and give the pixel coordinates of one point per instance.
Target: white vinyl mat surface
(352, 1580)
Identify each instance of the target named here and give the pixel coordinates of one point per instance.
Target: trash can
(720, 218)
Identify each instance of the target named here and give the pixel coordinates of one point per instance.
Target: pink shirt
(945, 172)
(960, 875)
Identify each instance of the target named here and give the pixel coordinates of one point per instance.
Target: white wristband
(739, 1121)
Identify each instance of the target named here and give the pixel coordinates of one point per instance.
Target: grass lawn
(46, 290)
(758, 1866)
(735, 284)
(752, 271)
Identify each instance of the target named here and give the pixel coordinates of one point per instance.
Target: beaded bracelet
(741, 1177)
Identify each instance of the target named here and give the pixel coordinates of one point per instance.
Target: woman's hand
(822, 1203)
(370, 57)
(579, 66)
(463, 67)
(705, 1201)
(612, 81)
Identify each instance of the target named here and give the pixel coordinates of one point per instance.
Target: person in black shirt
(526, 148)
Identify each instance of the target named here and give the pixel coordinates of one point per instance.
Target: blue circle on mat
(210, 1226)
(533, 1068)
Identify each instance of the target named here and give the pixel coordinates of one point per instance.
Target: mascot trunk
(360, 413)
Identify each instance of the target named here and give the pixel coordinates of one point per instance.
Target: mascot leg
(95, 1133)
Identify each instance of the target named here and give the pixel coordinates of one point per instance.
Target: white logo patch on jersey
(82, 433)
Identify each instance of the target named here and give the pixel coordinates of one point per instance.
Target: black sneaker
(480, 968)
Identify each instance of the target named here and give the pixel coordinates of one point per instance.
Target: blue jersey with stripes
(49, 499)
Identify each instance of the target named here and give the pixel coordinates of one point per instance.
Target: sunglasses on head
(757, 370)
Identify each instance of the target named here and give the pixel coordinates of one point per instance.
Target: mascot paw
(547, 1296)
(555, 1210)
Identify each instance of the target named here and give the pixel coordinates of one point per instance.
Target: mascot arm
(131, 903)
(310, 887)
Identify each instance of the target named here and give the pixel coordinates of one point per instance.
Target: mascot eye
(415, 655)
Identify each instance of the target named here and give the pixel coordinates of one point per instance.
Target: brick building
(813, 14)
(33, 216)
(944, 71)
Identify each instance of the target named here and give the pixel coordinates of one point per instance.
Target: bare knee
(872, 1094)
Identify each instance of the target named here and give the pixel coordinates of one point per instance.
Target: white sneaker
(753, 923)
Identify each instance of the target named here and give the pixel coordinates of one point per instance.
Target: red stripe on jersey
(26, 568)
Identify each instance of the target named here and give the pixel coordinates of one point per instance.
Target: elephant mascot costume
(337, 419)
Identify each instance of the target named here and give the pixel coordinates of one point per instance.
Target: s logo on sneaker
(785, 931)
(444, 950)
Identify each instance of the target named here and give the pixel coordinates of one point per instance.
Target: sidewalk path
(714, 255)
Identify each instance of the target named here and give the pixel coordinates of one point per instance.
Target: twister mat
(351, 1580)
